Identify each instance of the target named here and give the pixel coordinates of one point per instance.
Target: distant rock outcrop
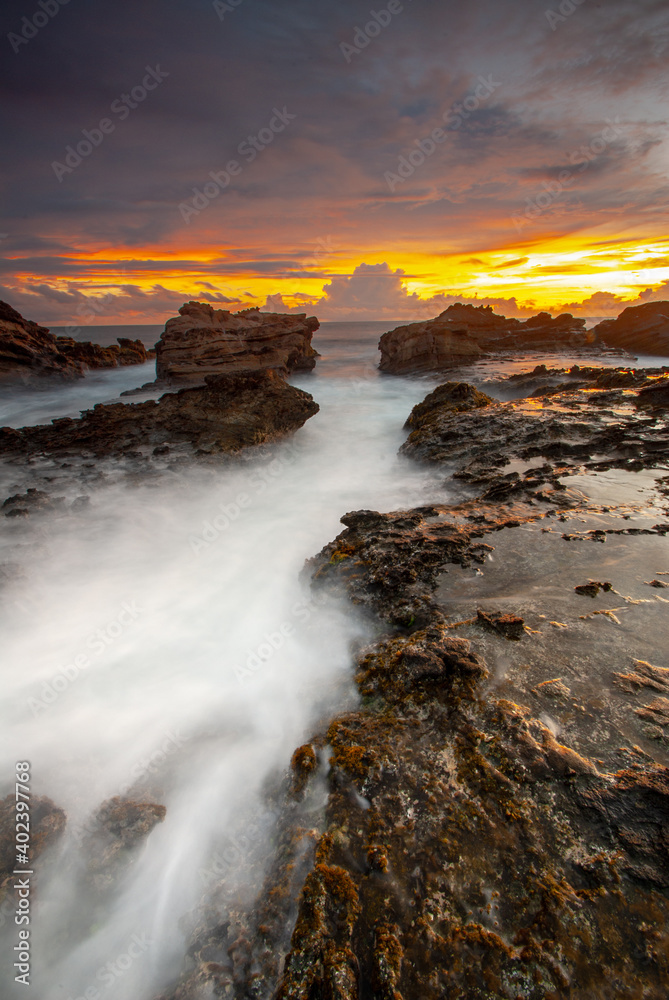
(229, 413)
(126, 352)
(465, 333)
(204, 341)
(28, 352)
(639, 329)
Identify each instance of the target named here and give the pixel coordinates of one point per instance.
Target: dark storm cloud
(224, 78)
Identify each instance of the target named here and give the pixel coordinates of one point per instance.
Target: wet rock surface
(497, 817)
(229, 413)
(466, 332)
(47, 822)
(203, 341)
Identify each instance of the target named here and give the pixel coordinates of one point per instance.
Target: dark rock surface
(490, 830)
(203, 341)
(126, 352)
(29, 353)
(639, 329)
(464, 333)
(230, 413)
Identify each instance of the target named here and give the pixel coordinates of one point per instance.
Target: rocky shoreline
(497, 803)
(497, 820)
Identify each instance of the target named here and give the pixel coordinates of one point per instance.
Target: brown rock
(28, 352)
(465, 332)
(127, 352)
(204, 341)
(230, 413)
(639, 329)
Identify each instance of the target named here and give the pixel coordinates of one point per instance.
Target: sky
(352, 161)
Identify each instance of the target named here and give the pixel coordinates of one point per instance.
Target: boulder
(203, 341)
(28, 352)
(639, 329)
(229, 413)
(464, 333)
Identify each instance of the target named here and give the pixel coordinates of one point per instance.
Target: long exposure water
(160, 644)
(161, 641)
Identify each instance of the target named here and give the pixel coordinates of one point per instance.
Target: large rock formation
(28, 352)
(204, 341)
(229, 413)
(464, 333)
(639, 329)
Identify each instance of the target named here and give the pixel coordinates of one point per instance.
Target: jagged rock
(119, 826)
(47, 822)
(639, 329)
(126, 352)
(204, 341)
(28, 352)
(464, 333)
(229, 413)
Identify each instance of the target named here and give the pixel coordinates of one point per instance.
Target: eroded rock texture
(229, 413)
(203, 341)
(464, 333)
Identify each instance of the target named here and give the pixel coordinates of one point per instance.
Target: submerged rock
(229, 413)
(203, 341)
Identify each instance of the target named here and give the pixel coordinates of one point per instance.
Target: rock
(30, 502)
(451, 397)
(510, 626)
(592, 588)
(229, 413)
(639, 329)
(47, 822)
(29, 353)
(119, 826)
(643, 675)
(654, 396)
(128, 352)
(465, 333)
(204, 341)
(572, 423)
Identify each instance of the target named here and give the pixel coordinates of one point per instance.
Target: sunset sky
(546, 188)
